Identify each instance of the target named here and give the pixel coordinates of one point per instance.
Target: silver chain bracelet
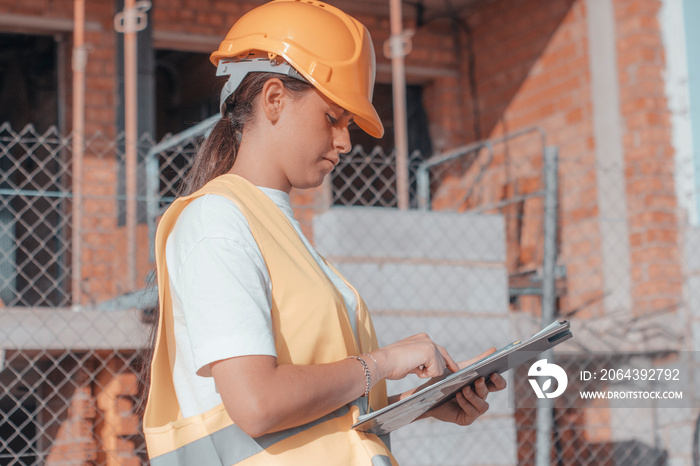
(368, 374)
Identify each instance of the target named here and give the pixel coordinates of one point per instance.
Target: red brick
(664, 272)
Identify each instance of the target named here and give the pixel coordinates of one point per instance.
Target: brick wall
(73, 442)
(208, 17)
(86, 410)
(649, 158)
(118, 429)
(531, 68)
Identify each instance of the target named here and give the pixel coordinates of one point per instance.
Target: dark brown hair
(215, 156)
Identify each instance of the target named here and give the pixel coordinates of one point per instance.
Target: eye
(333, 121)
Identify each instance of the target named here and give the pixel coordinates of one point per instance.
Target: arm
(262, 396)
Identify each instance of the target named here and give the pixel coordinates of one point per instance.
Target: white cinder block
(390, 233)
(407, 286)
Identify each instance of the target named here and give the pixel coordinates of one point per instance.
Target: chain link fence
(466, 264)
(69, 370)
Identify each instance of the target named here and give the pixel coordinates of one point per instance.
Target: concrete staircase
(443, 273)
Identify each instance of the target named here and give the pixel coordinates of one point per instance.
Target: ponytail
(215, 156)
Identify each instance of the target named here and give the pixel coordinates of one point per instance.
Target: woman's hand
(417, 354)
(470, 402)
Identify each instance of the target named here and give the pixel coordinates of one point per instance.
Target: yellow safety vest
(311, 326)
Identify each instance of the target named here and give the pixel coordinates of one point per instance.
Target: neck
(255, 163)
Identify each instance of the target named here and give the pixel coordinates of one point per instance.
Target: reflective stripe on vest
(310, 327)
(381, 460)
(232, 445)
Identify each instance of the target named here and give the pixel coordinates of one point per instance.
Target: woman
(264, 354)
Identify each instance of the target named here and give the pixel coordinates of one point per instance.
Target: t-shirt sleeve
(224, 289)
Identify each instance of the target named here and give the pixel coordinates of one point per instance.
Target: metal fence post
(152, 200)
(399, 47)
(79, 64)
(129, 22)
(545, 406)
(423, 186)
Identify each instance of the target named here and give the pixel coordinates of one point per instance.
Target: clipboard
(404, 412)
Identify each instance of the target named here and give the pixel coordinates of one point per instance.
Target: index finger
(471, 361)
(451, 364)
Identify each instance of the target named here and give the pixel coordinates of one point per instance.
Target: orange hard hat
(328, 48)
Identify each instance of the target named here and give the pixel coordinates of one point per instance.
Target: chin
(310, 184)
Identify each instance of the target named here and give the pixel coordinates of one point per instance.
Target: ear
(274, 96)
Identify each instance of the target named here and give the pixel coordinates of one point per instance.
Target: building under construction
(539, 163)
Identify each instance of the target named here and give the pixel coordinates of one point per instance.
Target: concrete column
(610, 163)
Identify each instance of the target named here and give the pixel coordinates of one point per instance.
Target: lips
(333, 160)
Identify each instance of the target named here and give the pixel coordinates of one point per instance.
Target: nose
(342, 140)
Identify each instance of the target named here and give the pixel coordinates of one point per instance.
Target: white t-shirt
(221, 293)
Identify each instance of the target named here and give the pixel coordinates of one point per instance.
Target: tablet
(410, 408)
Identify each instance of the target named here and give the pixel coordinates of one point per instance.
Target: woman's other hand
(470, 402)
